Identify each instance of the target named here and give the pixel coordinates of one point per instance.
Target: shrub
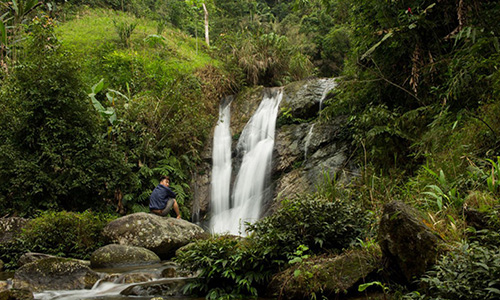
(229, 267)
(472, 271)
(315, 222)
(65, 234)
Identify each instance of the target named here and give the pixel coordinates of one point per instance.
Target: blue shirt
(160, 196)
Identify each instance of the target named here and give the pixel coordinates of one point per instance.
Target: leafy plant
(124, 30)
(65, 234)
(446, 193)
(472, 271)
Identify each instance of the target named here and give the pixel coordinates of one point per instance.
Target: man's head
(165, 180)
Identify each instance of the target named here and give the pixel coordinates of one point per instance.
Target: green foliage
(229, 267)
(52, 156)
(124, 30)
(65, 234)
(315, 222)
(472, 271)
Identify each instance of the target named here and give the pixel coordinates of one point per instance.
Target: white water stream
(256, 143)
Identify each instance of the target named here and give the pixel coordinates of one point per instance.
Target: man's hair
(164, 177)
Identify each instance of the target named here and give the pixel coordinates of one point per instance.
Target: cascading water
(221, 169)
(256, 144)
(327, 84)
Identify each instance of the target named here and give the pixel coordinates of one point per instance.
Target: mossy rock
(408, 246)
(16, 294)
(326, 276)
(120, 255)
(54, 274)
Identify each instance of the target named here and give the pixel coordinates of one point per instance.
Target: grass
(91, 36)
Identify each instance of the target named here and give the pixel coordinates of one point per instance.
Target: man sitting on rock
(162, 199)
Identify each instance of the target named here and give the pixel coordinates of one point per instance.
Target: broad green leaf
(98, 86)
(3, 33)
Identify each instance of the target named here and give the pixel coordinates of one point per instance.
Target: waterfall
(327, 84)
(308, 140)
(256, 144)
(221, 169)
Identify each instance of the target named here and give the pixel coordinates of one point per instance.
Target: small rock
(169, 272)
(165, 288)
(30, 257)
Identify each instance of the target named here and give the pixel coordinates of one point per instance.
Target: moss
(327, 275)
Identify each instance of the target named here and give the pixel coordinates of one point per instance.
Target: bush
(317, 223)
(472, 271)
(229, 267)
(65, 234)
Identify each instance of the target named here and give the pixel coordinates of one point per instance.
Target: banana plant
(109, 112)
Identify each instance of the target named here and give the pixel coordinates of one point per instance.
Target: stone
(16, 294)
(119, 255)
(326, 276)
(54, 274)
(9, 227)
(408, 246)
(30, 257)
(164, 288)
(161, 235)
(169, 272)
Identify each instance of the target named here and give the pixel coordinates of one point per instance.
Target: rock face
(54, 274)
(9, 227)
(408, 246)
(326, 276)
(118, 255)
(161, 235)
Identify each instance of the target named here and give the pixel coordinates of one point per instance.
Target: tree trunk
(207, 40)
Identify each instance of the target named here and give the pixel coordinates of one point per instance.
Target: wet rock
(326, 276)
(163, 288)
(119, 255)
(16, 294)
(169, 272)
(161, 235)
(408, 246)
(54, 274)
(30, 257)
(9, 227)
(303, 98)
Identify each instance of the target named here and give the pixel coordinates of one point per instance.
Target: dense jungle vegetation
(100, 97)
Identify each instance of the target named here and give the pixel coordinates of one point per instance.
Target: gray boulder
(9, 227)
(54, 274)
(119, 255)
(409, 247)
(161, 235)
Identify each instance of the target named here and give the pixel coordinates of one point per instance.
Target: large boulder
(408, 246)
(119, 255)
(9, 227)
(326, 276)
(161, 235)
(54, 274)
